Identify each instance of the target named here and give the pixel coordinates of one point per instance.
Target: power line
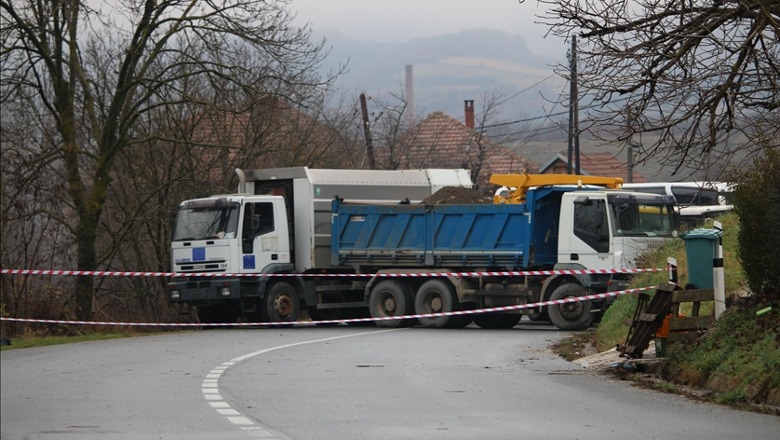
(526, 89)
(535, 118)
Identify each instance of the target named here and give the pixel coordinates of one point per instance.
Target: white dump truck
(357, 243)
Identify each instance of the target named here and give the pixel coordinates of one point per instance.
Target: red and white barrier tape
(100, 273)
(340, 321)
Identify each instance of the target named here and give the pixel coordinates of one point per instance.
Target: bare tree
(92, 75)
(441, 141)
(390, 124)
(32, 237)
(700, 79)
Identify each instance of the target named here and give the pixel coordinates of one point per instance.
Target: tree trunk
(86, 240)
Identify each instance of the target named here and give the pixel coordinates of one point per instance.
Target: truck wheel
(496, 320)
(282, 304)
(539, 316)
(436, 296)
(391, 298)
(572, 315)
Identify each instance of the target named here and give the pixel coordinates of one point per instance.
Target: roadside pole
(671, 266)
(718, 274)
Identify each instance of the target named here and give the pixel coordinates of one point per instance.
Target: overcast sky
(400, 20)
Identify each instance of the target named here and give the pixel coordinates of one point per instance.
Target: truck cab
(233, 234)
(608, 230)
(210, 232)
(587, 223)
(603, 230)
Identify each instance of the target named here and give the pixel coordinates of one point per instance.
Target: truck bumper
(204, 291)
(617, 283)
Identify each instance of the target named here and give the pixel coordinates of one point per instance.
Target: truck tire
(391, 298)
(539, 316)
(436, 296)
(497, 320)
(573, 315)
(282, 304)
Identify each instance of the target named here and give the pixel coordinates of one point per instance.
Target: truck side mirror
(248, 241)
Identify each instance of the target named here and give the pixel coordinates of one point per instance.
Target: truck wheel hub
(436, 304)
(389, 304)
(283, 306)
(571, 310)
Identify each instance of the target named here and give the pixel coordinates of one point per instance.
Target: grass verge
(31, 340)
(737, 362)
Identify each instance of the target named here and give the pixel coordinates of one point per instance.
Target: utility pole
(367, 131)
(630, 176)
(632, 115)
(574, 110)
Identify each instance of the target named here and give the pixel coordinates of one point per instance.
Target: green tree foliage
(757, 203)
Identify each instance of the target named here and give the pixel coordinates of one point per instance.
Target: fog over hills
(449, 69)
(469, 65)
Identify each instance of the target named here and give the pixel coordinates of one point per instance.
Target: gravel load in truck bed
(451, 195)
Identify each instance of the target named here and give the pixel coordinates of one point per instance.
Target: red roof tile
(593, 164)
(441, 141)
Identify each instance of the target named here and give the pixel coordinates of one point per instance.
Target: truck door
(588, 234)
(284, 188)
(264, 238)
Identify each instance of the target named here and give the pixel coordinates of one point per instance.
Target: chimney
(469, 110)
(410, 110)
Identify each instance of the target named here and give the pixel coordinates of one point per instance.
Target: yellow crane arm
(518, 184)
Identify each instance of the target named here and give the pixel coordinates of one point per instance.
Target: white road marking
(210, 386)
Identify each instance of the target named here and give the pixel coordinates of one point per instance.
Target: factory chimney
(410, 110)
(469, 111)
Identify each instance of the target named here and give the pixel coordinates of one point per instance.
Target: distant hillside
(449, 69)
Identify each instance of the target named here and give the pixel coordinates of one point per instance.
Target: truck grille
(211, 266)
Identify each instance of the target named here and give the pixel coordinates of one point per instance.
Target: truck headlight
(175, 294)
(225, 291)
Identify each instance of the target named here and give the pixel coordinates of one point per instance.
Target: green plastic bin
(701, 247)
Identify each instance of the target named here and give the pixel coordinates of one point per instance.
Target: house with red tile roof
(441, 141)
(592, 164)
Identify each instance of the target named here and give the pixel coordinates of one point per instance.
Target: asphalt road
(344, 383)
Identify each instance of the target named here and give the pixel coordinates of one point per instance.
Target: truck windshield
(695, 196)
(204, 219)
(642, 216)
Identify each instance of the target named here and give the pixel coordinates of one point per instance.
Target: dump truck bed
(431, 236)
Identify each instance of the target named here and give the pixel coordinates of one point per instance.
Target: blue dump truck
(377, 251)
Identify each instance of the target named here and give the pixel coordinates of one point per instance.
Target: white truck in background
(694, 201)
(357, 243)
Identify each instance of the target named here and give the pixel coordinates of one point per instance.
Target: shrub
(756, 201)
